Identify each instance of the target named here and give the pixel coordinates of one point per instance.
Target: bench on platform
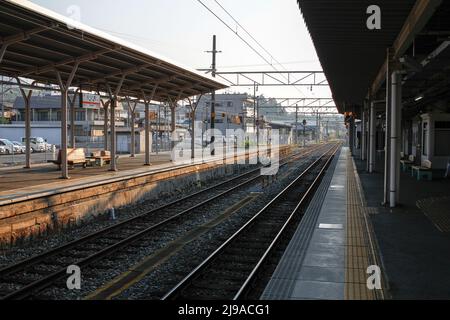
(74, 157)
(406, 164)
(101, 157)
(422, 171)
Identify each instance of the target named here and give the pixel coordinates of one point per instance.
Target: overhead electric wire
(235, 32)
(245, 30)
(245, 41)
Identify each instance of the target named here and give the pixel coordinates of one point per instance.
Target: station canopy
(35, 42)
(351, 55)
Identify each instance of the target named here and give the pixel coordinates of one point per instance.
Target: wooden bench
(422, 171)
(406, 164)
(74, 157)
(101, 158)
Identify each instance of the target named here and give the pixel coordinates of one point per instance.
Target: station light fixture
(419, 97)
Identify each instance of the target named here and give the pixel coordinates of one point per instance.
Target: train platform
(414, 238)
(333, 246)
(17, 183)
(37, 201)
(346, 229)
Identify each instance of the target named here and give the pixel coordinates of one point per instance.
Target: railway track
(29, 277)
(230, 271)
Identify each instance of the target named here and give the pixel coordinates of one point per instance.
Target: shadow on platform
(413, 246)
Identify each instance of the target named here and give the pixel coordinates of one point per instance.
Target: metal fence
(17, 159)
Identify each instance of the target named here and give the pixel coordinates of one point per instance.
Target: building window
(80, 116)
(43, 116)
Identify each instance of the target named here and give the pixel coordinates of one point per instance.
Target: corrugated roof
(39, 40)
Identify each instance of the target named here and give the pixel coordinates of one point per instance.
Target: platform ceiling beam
(416, 21)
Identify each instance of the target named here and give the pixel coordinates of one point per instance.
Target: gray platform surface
(414, 251)
(314, 262)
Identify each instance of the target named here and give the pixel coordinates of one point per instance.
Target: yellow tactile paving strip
(359, 251)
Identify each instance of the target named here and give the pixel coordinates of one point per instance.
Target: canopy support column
(112, 115)
(105, 106)
(147, 100)
(363, 133)
(387, 140)
(64, 97)
(193, 107)
(351, 135)
(27, 101)
(394, 185)
(113, 97)
(173, 126)
(173, 112)
(72, 117)
(131, 111)
(372, 137)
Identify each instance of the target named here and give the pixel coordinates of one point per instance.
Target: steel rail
(27, 262)
(194, 274)
(277, 238)
(47, 281)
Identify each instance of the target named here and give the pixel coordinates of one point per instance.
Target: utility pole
(317, 126)
(304, 132)
(296, 124)
(213, 94)
(255, 121)
(320, 127)
(258, 124)
(158, 129)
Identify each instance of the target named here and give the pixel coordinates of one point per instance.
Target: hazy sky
(182, 30)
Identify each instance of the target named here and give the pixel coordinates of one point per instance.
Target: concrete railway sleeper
(15, 280)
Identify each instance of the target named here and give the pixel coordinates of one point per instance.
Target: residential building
(46, 118)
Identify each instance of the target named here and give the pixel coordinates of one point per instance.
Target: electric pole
(320, 126)
(258, 125)
(213, 94)
(304, 132)
(296, 124)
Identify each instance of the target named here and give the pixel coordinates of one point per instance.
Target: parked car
(8, 146)
(20, 147)
(38, 144)
(48, 146)
(2, 149)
